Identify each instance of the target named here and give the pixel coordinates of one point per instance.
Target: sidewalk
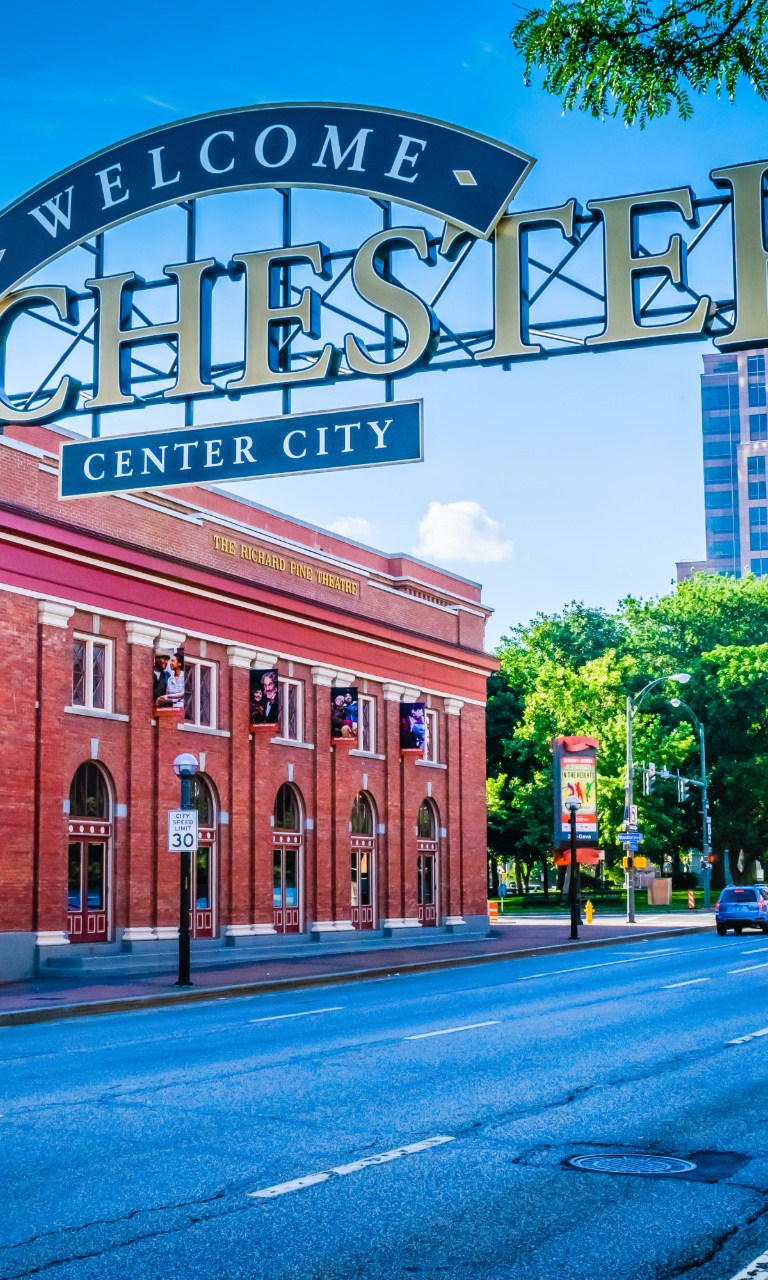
(47, 999)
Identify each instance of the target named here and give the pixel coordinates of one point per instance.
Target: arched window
(425, 823)
(89, 793)
(287, 810)
(361, 819)
(202, 800)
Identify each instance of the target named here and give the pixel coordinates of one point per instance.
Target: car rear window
(738, 895)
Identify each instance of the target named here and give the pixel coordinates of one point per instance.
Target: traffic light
(682, 789)
(651, 776)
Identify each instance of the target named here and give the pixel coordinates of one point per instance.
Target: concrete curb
(199, 995)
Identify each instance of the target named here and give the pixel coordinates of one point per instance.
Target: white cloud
(352, 527)
(461, 531)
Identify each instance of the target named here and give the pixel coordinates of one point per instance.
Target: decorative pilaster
(51, 783)
(135, 896)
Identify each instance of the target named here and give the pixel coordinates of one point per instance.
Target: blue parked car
(742, 907)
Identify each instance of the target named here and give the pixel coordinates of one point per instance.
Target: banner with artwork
(575, 776)
(168, 682)
(264, 698)
(413, 726)
(344, 715)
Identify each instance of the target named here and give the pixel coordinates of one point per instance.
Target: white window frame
(370, 700)
(431, 737)
(90, 642)
(213, 668)
(284, 683)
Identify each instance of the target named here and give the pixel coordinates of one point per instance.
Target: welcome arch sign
(314, 295)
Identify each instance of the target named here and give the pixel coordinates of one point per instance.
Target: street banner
(575, 775)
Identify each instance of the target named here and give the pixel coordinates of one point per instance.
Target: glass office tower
(734, 426)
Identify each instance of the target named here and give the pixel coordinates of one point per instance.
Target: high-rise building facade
(734, 426)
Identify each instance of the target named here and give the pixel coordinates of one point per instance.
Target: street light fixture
(705, 843)
(185, 767)
(633, 705)
(573, 804)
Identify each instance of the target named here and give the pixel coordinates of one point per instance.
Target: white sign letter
(205, 157)
(287, 446)
(403, 157)
(57, 213)
(157, 164)
(380, 432)
(337, 155)
(290, 146)
(111, 180)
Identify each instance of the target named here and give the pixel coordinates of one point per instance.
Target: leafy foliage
(571, 673)
(637, 60)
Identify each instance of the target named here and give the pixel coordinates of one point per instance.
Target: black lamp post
(573, 805)
(185, 767)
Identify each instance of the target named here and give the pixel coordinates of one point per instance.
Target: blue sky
(608, 443)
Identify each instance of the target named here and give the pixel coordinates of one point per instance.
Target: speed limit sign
(182, 830)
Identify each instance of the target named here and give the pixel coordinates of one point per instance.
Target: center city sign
(299, 314)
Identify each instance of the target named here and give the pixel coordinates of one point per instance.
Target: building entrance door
(426, 887)
(286, 855)
(87, 888)
(427, 863)
(203, 885)
(361, 882)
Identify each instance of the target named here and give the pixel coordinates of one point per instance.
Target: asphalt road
(403, 1127)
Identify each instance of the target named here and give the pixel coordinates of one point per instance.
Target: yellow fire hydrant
(590, 912)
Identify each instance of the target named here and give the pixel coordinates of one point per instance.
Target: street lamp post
(573, 805)
(705, 843)
(633, 705)
(185, 767)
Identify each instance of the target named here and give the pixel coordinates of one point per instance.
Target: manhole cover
(652, 1166)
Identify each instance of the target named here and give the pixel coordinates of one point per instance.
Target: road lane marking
(341, 1170)
(451, 1031)
(753, 1035)
(757, 1269)
(747, 968)
(754, 951)
(604, 964)
(305, 1013)
(690, 983)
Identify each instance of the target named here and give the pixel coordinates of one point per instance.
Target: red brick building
(296, 835)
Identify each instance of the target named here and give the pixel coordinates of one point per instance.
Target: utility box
(660, 892)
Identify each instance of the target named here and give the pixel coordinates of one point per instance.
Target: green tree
(638, 60)
(571, 673)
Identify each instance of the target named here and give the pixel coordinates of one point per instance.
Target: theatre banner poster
(344, 708)
(413, 726)
(168, 686)
(264, 699)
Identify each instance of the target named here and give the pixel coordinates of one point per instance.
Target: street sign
(182, 830)
(630, 837)
(289, 445)
(633, 815)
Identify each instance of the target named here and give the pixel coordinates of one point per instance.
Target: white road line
(305, 1013)
(340, 1170)
(757, 1270)
(451, 1031)
(690, 983)
(753, 951)
(604, 964)
(753, 1035)
(747, 968)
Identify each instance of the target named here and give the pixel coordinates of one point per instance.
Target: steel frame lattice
(577, 310)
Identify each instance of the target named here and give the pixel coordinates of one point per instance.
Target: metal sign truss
(564, 296)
